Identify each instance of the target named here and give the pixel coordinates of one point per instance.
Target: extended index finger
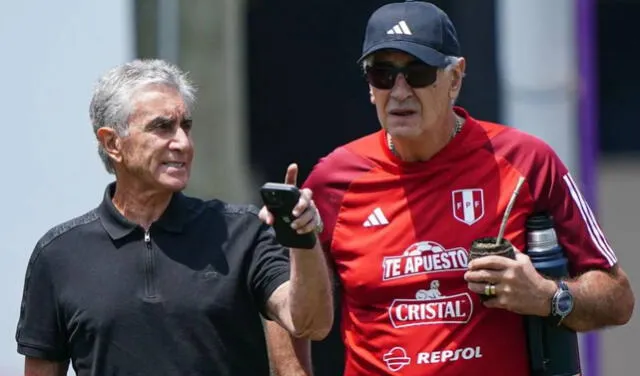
(291, 176)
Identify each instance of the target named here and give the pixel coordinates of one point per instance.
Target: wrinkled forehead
(157, 100)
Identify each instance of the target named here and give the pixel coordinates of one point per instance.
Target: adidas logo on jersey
(376, 218)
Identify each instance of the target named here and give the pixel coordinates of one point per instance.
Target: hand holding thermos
(522, 284)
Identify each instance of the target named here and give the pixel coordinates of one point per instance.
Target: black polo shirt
(183, 299)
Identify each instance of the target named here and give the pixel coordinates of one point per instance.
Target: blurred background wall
(52, 53)
(278, 83)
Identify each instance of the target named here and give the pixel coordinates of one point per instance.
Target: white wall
(537, 65)
(52, 53)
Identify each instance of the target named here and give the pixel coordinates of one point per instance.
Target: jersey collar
(117, 226)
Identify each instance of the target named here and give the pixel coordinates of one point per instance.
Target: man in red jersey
(402, 206)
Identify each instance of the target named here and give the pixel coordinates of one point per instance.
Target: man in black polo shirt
(153, 282)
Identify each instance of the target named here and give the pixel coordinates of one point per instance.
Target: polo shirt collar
(117, 226)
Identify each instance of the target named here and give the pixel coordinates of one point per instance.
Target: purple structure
(588, 142)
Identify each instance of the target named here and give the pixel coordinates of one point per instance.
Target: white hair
(111, 102)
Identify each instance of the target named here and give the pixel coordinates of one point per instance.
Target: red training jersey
(399, 234)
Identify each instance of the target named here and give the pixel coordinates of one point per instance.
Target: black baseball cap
(416, 27)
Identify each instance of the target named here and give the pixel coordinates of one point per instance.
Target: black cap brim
(426, 54)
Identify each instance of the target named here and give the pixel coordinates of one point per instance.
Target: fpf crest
(468, 205)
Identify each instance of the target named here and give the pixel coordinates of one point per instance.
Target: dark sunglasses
(418, 75)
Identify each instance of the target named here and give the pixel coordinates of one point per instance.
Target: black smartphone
(280, 199)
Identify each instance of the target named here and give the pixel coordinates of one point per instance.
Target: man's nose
(181, 139)
(401, 89)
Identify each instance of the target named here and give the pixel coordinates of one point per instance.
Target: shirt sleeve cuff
(268, 291)
(41, 353)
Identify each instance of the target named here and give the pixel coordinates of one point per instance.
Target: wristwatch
(561, 303)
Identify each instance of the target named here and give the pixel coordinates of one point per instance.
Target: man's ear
(457, 74)
(372, 98)
(111, 143)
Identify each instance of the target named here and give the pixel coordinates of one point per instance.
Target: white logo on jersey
(424, 257)
(396, 359)
(449, 355)
(431, 307)
(376, 218)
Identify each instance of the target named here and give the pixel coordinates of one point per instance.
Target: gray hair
(111, 102)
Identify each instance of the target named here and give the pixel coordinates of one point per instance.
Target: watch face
(564, 304)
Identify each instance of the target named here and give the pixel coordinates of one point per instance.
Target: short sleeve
(329, 180)
(321, 197)
(328, 191)
(40, 331)
(269, 267)
(576, 226)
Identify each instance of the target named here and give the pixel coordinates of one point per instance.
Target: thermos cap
(539, 222)
(541, 235)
